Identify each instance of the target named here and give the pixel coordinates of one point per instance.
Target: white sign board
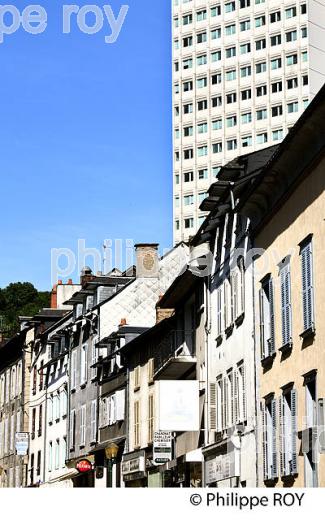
(178, 406)
(22, 443)
(162, 447)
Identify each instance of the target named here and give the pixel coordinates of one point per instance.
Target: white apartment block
(243, 72)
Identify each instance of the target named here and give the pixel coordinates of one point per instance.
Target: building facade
(243, 72)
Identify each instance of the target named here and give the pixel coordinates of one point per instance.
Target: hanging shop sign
(83, 466)
(22, 443)
(162, 447)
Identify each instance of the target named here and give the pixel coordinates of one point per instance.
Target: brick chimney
(86, 275)
(147, 262)
(54, 295)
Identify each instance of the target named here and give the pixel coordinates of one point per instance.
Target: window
(215, 34)
(237, 291)
(203, 174)
(276, 87)
(275, 40)
(64, 450)
(260, 44)
(230, 75)
(246, 118)
(187, 64)
(261, 138)
(188, 200)
(260, 67)
(303, 8)
(240, 394)
(216, 78)
(202, 151)
(244, 3)
(291, 36)
(216, 56)
(64, 403)
(232, 144)
(201, 82)
(245, 48)
(292, 107)
(269, 440)
(33, 423)
(229, 7)
(311, 421)
(73, 369)
(217, 124)
(230, 52)
(188, 41)
(230, 29)
(72, 429)
(231, 121)
(177, 225)
(83, 425)
(188, 131)
(34, 379)
(219, 310)
(227, 303)
(261, 114)
(137, 423)
(93, 421)
(216, 170)
(277, 111)
(305, 80)
(267, 334)
(39, 461)
(277, 135)
(188, 154)
(286, 317)
(202, 105)
(216, 101)
(292, 59)
(40, 420)
(50, 456)
(215, 11)
(259, 21)
(83, 364)
(188, 176)
(245, 25)
(187, 19)
(201, 37)
(246, 141)
(187, 86)
(245, 71)
(291, 12)
(288, 425)
(150, 418)
(189, 223)
(231, 98)
(137, 376)
(292, 83)
(188, 108)
(304, 32)
(216, 147)
(276, 64)
(261, 90)
(275, 17)
(307, 286)
(57, 454)
(202, 128)
(201, 60)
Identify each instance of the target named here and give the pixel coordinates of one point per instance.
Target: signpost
(22, 443)
(162, 447)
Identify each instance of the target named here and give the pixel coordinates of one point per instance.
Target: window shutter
(262, 328)
(72, 428)
(272, 325)
(120, 405)
(274, 470)
(213, 406)
(264, 441)
(93, 414)
(294, 431)
(307, 286)
(225, 403)
(244, 393)
(219, 310)
(281, 436)
(286, 305)
(237, 417)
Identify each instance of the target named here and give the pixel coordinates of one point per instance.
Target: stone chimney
(86, 275)
(147, 262)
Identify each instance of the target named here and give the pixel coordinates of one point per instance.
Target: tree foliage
(20, 299)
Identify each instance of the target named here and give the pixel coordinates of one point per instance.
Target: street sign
(162, 447)
(22, 443)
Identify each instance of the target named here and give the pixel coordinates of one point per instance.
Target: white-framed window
(83, 412)
(240, 394)
(63, 451)
(50, 409)
(57, 454)
(227, 303)
(56, 406)
(219, 310)
(64, 403)
(137, 374)
(50, 457)
(136, 411)
(151, 417)
(83, 364)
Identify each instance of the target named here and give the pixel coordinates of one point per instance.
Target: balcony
(175, 358)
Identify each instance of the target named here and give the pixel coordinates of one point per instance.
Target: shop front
(134, 472)
(222, 465)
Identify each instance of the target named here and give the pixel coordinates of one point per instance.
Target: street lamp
(111, 453)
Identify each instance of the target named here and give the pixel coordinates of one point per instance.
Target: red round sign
(83, 466)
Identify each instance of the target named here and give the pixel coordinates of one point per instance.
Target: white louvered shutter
(262, 326)
(272, 324)
(281, 436)
(264, 441)
(274, 471)
(307, 287)
(294, 432)
(213, 406)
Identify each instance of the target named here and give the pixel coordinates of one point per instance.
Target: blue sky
(85, 138)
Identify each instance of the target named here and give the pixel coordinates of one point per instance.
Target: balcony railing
(175, 355)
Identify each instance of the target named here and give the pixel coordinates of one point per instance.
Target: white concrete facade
(243, 72)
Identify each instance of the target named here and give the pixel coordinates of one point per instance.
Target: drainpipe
(207, 329)
(255, 373)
